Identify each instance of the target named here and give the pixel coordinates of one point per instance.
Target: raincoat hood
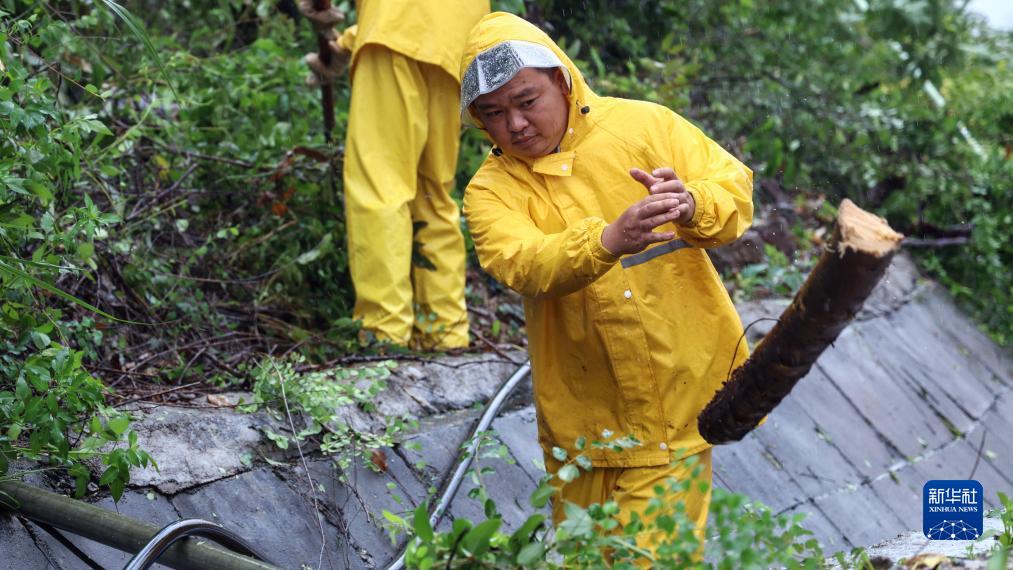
(499, 27)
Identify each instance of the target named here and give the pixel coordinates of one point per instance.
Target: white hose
(490, 413)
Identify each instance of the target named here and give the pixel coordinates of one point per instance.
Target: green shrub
(742, 534)
(51, 409)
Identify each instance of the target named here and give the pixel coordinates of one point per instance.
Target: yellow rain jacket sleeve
(529, 260)
(724, 205)
(636, 351)
(409, 26)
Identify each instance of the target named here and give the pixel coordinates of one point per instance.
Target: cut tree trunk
(856, 258)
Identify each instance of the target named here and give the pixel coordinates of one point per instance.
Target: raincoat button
(663, 446)
(565, 167)
(571, 130)
(627, 293)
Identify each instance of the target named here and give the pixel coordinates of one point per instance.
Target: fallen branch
(939, 242)
(853, 263)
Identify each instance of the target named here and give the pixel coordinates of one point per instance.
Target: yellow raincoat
(429, 31)
(406, 250)
(632, 351)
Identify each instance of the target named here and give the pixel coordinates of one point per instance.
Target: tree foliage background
(169, 207)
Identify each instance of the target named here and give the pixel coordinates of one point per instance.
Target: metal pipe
(490, 413)
(116, 530)
(179, 530)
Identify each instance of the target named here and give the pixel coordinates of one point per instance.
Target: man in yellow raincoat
(623, 338)
(406, 250)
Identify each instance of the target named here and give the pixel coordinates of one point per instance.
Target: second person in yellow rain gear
(406, 250)
(575, 183)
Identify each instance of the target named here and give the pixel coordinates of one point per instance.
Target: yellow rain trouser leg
(400, 157)
(632, 489)
(441, 320)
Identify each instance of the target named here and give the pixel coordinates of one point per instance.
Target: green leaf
(523, 534)
(393, 518)
(109, 475)
(531, 554)
(280, 440)
(40, 340)
(477, 541)
(559, 453)
(542, 494)
(423, 529)
(17, 221)
(119, 424)
(85, 250)
(568, 473)
(116, 488)
(459, 527)
(14, 431)
(81, 476)
(21, 389)
(312, 255)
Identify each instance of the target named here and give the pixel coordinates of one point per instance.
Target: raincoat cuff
(699, 204)
(347, 38)
(598, 251)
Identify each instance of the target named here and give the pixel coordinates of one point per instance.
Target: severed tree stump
(854, 261)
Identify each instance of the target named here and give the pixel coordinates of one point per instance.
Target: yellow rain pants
(632, 489)
(400, 159)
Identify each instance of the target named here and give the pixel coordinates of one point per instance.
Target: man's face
(527, 116)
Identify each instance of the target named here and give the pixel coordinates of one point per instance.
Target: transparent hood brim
(496, 66)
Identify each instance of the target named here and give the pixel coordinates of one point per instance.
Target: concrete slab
(903, 419)
(19, 552)
(996, 427)
(902, 497)
(841, 424)
(898, 284)
(966, 337)
(451, 383)
(193, 447)
(919, 356)
(748, 467)
(795, 439)
(346, 511)
(509, 485)
(261, 508)
(519, 431)
(434, 447)
(861, 515)
(924, 312)
(360, 496)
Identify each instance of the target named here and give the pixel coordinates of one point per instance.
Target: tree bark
(326, 87)
(852, 264)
